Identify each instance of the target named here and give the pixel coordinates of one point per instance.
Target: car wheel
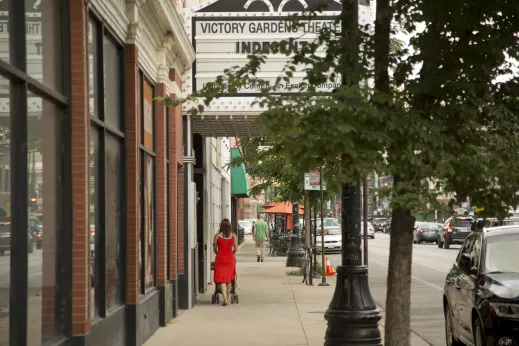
(447, 244)
(479, 339)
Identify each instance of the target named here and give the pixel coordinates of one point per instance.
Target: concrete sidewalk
(274, 309)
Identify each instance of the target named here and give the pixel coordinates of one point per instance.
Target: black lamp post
(352, 315)
(296, 253)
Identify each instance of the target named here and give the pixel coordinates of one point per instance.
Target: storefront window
(148, 253)
(4, 34)
(45, 219)
(5, 218)
(107, 182)
(94, 298)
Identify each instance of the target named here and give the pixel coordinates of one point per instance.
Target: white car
(247, 226)
(371, 230)
(332, 239)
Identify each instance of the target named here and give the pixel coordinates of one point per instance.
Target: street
(35, 271)
(430, 267)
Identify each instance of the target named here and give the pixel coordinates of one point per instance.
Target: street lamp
(352, 315)
(296, 253)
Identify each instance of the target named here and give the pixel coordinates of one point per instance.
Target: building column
(133, 207)
(186, 277)
(80, 120)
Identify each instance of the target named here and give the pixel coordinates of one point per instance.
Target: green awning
(239, 182)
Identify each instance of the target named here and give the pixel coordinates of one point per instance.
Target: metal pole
(352, 316)
(365, 217)
(323, 264)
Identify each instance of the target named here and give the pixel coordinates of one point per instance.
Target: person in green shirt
(260, 235)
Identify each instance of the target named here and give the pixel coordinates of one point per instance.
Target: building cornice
(172, 22)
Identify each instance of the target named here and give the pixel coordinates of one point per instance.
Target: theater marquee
(223, 40)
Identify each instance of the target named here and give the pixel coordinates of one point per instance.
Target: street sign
(312, 187)
(315, 177)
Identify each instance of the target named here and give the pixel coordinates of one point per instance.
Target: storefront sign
(223, 43)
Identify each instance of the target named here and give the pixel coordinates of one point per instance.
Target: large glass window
(147, 150)
(107, 178)
(5, 218)
(34, 260)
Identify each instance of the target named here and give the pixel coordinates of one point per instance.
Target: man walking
(260, 235)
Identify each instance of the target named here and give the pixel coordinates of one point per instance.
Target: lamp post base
(296, 254)
(352, 316)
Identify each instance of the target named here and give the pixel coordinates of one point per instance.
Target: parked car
(454, 231)
(5, 239)
(328, 222)
(379, 223)
(371, 230)
(332, 239)
(481, 293)
(247, 226)
(426, 232)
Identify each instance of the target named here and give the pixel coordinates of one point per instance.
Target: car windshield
(462, 223)
(511, 222)
(429, 226)
(501, 254)
(328, 223)
(330, 231)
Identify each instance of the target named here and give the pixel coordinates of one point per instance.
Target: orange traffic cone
(329, 269)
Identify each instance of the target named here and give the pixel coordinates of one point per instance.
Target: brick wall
(80, 167)
(133, 221)
(161, 187)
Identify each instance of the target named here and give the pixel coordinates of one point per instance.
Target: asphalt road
(35, 272)
(430, 267)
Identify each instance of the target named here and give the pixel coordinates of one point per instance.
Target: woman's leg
(223, 288)
(229, 285)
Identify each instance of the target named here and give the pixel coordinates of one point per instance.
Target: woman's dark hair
(226, 228)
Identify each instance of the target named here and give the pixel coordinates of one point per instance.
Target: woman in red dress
(225, 246)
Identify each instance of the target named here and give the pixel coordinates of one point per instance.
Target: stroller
(233, 299)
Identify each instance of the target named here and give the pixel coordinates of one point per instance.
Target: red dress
(225, 262)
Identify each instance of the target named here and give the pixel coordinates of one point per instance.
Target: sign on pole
(315, 177)
(312, 187)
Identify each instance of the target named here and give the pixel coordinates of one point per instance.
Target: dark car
(5, 239)
(454, 231)
(426, 232)
(481, 294)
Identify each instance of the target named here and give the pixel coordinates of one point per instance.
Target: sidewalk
(274, 309)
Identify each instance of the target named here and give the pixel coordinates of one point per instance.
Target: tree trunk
(398, 299)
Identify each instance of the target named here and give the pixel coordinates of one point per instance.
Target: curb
(383, 324)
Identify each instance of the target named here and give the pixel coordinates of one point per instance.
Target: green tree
(453, 122)
(273, 169)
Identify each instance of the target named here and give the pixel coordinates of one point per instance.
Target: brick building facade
(92, 165)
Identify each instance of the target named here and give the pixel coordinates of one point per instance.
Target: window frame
(143, 153)
(21, 83)
(98, 121)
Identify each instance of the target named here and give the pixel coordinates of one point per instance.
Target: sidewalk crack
(299, 313)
